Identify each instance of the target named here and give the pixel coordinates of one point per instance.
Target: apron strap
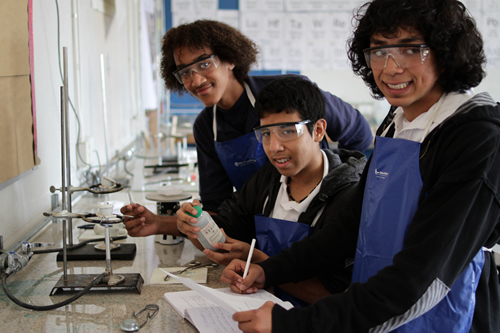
(249, 94)
(429, 124)
(428, 127)
(318, 215)
(384, 133)
(214, 123)
(250, 97)
(265, 204)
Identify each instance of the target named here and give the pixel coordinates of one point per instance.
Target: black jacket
(345, 125)
(458, 213)
(236, 215)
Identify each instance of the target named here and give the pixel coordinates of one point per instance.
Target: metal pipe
(66, 125)
(63, 154)
(76, 66)
(65, 260)
(159, 30)
(108, 250)
(104, 113)
(63, 181)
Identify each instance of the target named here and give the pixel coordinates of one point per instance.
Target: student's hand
(144, 222)
(183, 219)
(233, 273)
(233, 249)
(259, 321)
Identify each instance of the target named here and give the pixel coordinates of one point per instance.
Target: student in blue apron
(428, 204)
(211, 61)
(292, 195)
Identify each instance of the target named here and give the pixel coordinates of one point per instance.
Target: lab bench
(98, 310)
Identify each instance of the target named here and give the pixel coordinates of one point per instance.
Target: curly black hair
(292, 94)
(447, 27)
(229, 44)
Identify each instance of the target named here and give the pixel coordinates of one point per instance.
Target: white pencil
(249, 258)
(130, 197)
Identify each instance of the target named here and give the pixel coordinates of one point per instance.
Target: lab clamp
(12, 262)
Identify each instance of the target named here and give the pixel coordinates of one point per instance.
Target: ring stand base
(78, 282)
(168, 240)
(102, 246)
(126, 251)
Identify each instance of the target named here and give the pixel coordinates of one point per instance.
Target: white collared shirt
(413, 131)
(285, 209)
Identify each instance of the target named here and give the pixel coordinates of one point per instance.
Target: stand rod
(66, 125)
(63, 181)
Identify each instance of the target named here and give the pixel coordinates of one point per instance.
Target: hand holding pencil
(242, 276)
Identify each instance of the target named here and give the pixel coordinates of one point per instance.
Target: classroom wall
(310, 37)
(354, 91)
(87, 33)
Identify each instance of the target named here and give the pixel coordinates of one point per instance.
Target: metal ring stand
(106, 223)
(111, 279)
(72, 282)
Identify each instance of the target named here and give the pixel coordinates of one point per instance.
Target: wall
(353, 90)
(116, 37)
(310, 37)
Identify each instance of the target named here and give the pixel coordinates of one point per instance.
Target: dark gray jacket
(236, 215)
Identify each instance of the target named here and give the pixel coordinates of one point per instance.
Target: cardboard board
(14, 38)
(17, 126)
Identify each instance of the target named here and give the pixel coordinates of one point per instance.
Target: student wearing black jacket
(428, 204)
(293, 194)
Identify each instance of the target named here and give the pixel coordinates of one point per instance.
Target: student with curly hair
(428, 204)
(211, 60)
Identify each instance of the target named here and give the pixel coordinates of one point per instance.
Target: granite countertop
(98, 311)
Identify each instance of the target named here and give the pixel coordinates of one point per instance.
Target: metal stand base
(126, 251)
(102, 246)
(166, 167)
(77, 282)
(168, 240)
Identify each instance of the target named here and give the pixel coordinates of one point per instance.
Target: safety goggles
(202, 67)
(405, 55)
(284, 131)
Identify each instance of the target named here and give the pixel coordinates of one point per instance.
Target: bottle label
(212, 232)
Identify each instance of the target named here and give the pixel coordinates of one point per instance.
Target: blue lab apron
(241, 157)
(390, 201)
(275, 235)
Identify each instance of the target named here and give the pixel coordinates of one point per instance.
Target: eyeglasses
(284, 131)
(202, 67)
(405, 55)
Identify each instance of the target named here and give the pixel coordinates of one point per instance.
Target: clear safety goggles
(284, 131)
(405, 55)
(202, 67)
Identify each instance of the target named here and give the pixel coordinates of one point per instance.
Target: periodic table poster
(298, 35)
